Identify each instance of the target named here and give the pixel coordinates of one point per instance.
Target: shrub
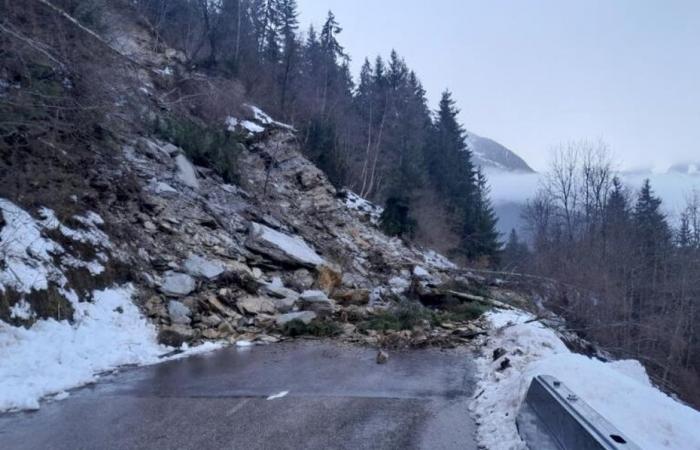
(210, 147)
(317, 328)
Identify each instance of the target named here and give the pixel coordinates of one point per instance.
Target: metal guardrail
(552, 417)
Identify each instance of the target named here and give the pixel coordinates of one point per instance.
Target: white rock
(179, 313)
(185, 171)
(399, 285)
(282, 247)
(421, 273)
(198, 266)
(316, 301)
(164, 188)
(177, 284)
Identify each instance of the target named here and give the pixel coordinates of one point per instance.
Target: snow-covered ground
(620, 390)
(51, 356)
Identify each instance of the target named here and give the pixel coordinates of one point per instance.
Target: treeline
(376, 136)
(634, 278)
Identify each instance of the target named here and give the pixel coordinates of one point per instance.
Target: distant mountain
(489, 154)
(692, 168)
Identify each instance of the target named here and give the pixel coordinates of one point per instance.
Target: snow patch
(356, 203)
(620, 391)
(436, 260)
(53, 356)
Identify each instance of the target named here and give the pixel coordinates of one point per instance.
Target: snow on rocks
(186, 172)
(434, 259)
(281, 247)
(29, 257)
(620, 390)
(260, 121)
(356, 203)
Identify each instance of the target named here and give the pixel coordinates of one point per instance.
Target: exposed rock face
(281, 247)
(177, 284)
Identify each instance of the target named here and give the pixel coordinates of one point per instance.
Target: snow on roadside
(620, 391)
(52, 356)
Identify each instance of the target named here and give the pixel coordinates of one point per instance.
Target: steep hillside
(489, 154)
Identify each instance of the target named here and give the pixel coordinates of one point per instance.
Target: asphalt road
(339, 398)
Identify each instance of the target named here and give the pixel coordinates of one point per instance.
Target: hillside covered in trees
(374, 135)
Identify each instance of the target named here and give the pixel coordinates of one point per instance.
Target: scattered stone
(328, 279)
(382, 357)
(300, 279)
(316, 301)
(226, 328)
(351, 296)
(421, 274)
(286, 304)
(177, 284)
(175, 336)
(155, 308)
(220, 307)
(179, 313)
(211, 320)
(304, 316)
(198, 266)
(256, 305)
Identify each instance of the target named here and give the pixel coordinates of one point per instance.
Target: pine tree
(515, 253)
(289, 24)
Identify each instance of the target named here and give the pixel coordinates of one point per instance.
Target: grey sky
(530, 74)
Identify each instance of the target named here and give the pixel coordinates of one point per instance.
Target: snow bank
(54, 356)
(620, 391)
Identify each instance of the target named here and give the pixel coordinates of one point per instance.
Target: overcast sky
(531, 74)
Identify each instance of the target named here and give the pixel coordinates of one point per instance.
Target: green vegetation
(317, 328)
(210, 147)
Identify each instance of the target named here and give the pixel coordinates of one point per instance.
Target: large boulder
(185, 172)
(282, 248)
(316, 301)
(198, 266)
(176, 284)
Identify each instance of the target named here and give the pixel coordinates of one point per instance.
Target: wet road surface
(338, 398)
